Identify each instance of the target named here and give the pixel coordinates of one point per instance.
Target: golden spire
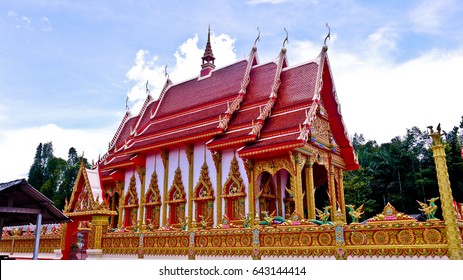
(208, 57)
(448, 212)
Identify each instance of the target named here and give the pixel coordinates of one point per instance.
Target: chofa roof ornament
(283, 48)
(328, 36)
(258, 37)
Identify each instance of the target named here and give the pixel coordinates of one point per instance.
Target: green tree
(36, 176)
(454, 163)
(71, 169)
(53, 176)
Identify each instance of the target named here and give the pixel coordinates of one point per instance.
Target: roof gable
(87, 192)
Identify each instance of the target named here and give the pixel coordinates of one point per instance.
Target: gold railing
(223, 242)
(120, 243)
(306, 240)
(382, 239)
(373, 239)
(25, 243)
(414, 239)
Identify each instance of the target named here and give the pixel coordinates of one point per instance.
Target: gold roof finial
(258, 37)
(127, 103)
(165, 72)
(328, 36)
(286, 39)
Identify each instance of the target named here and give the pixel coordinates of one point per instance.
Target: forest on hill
(400, 172)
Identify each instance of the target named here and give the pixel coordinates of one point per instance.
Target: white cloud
(145, 69)
(428, 16)
(382, 42)
(17, 147)
(188, 61)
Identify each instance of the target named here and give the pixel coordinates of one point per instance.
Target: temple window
(177, 200)
(131, 205)
(153, 204)
(234, 194)
(234, 201)
(204, 197)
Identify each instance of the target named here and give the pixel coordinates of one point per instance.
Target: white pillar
(37, 236)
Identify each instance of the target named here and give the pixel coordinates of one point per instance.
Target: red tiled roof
(283, 122)
(118, 160)
(206, 131)
(125, 132)
(208, 113)
(297, 85)
(146, 116)
(258, 92)
(273, 144)
(223, 83)
(260, 86)
(294, 98)
(189, 112)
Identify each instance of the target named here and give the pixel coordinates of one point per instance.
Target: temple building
(242, 161)
(240, 140)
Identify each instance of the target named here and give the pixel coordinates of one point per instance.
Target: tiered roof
(255, 108)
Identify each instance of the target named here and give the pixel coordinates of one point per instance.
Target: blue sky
(66, 67)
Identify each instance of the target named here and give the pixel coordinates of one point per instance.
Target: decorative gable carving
(83, 199)
(177, 190)
(234, 185)
(153, 195)
(131, 197)
(320, 129)
(203, 189)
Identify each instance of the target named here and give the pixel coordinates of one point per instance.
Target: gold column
(249, 166)
(120, 185)
(189, 150)
(141, 171)
(332, 187)
(279, 194)
(113, 206)
(341, 193)
(165, 163)
(310, 189)
(99, 225)
(298, 198)
(217, 157)
(448, 212)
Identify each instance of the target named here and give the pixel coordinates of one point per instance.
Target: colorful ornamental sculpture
(429, 210)
(391, 214)
(323, 216)
(355, 214)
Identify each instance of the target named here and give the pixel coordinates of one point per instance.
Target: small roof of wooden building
(20, 203)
